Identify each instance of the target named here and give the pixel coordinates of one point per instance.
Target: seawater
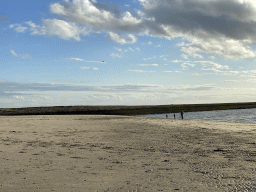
(236, 115)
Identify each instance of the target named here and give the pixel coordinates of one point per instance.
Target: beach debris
(117, 162)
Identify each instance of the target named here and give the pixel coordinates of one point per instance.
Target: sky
(131, 52)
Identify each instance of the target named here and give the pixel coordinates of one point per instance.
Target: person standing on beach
(181, 114)
(174, 115)
(166, 116)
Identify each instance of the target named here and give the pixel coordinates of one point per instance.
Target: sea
(234, 115)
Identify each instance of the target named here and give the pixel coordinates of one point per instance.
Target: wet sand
(119, 153)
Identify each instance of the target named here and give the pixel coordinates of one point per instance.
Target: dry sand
(118, 153)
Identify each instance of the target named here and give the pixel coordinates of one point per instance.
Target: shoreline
(121, 153)
(123, 110)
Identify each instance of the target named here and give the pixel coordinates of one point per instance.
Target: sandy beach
(120, 153)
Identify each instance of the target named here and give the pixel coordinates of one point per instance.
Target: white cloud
(145, 59)
(19, 97)
(185, 65)
(221, 72)
(96, 15)
(251, 80)
(149, 43)
(145, 65)
(55, 27)
(231, 81)
(232, 72)
(36, 29)
(88, 68)
(63, 29)
(118, 49)
(22, 56)
(252, 71)
(179, 61)
(21, 29)
(222, 46)
(248, 74)
(138, 49)
(129, 39)
(192, 51)
(89, 61)
(212, 70)
(168, 71)
(131, 49)
(137, 71)
(14, 53)
(26, 57)
(141, 71)
(115, 55)
(18, 27)
(184, 56)
(211, 66)
(76, 59)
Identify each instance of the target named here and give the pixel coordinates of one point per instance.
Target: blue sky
(155, 52)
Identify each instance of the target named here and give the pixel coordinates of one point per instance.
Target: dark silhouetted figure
(166, 116)
(174, 116)
(181, 114)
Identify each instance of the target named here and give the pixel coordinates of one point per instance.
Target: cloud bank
(20, 94)
(217, 27)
